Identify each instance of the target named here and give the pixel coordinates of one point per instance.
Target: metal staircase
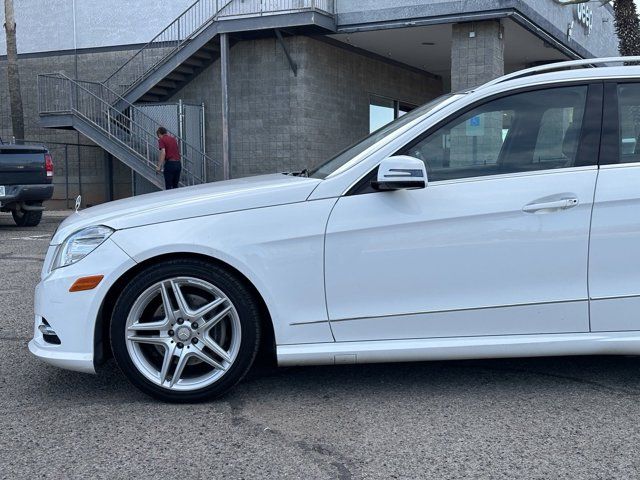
(188, 45)
(173, 57)
(126, 133)
(104, 112)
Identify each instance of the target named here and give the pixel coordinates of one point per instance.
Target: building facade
(281, 84)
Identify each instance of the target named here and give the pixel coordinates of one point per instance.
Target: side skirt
(459, 348)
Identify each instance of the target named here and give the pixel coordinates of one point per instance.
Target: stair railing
(166, 43)
(129, 127)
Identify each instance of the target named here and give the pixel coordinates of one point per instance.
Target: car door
(614, 263)
(497, 243)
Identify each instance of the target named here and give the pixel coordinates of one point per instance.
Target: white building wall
(48, 25)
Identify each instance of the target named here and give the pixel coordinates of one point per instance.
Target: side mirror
(400, 172)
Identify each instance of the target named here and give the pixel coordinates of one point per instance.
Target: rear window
(629, 117)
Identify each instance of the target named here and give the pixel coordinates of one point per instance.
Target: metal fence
(188, 121)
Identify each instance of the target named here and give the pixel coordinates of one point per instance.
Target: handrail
(129, 131)
(100, 100)
(208, 11)
(121, 99)
(548, 67)
(105, 102)
(154, 38)
(190, 23)
(246, 8)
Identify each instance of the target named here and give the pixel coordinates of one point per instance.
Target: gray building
(257, 86)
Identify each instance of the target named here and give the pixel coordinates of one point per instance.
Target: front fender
(279, 249)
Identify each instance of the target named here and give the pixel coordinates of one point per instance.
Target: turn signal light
(86, 283)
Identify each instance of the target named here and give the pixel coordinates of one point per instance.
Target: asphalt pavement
(554, 418)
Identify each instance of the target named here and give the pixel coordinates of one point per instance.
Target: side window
(528, 131)
(629, 117)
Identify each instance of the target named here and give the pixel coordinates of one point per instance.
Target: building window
(384, 110)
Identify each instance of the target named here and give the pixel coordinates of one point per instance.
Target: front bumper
(80, 362)
(26, 193)
(73, 315)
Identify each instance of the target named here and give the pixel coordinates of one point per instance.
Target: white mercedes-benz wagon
(499, 222)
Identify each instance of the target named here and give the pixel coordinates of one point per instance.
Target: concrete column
(477, 56)
(477, 53)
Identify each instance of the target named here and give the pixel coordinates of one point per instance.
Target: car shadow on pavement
(610, 374)
(558, 375)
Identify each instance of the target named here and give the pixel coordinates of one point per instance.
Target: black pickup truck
(26, 173)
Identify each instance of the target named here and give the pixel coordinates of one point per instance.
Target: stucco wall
(48, 25)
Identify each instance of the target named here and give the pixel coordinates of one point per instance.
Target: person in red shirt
(169, 160)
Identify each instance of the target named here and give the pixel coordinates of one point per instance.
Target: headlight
(80, 244)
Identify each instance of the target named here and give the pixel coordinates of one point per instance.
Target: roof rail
(548, 67)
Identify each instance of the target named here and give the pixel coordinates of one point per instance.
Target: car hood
(188, 202)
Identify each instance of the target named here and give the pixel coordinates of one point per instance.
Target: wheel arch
(102, 344)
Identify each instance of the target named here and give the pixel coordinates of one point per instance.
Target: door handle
(550, 206)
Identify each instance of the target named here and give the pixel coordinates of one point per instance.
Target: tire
(154, 359)
(27, 218)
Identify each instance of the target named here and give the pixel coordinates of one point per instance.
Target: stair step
(159, 91)
(193, 62)
(167, 84)
(150, 98)
(177, 77)
(204, 55)
(185, 69)
(211, 48)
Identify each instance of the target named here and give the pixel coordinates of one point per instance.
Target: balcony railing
(249, 8)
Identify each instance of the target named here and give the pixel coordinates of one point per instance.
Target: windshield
(325, 169)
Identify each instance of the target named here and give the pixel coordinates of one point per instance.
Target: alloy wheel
(183, 333)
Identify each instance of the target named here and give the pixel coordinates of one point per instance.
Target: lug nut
(194, 340)
(180, 345)
(180, 321)
(194, 325)
(171, 332)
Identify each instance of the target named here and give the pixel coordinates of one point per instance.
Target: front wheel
(185, 331)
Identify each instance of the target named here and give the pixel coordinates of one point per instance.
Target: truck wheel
(24, 218)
